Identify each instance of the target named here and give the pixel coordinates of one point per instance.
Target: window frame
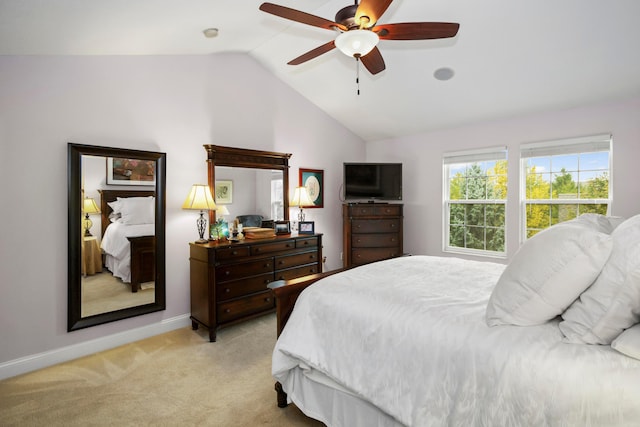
(581, 145)
(468, 157)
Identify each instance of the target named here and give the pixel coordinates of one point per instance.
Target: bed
(129, 248)
(552, 338)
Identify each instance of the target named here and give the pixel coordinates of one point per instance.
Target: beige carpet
(103, 292)
(174, 379)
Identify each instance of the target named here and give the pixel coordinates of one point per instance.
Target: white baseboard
(64, 354)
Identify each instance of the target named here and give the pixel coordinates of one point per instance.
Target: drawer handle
(305, 243)
(227, 310)
(267, 281)
(267, 299)
(227, 290)
(227, 272)
(393, 225)
(280, 262)
(257, 249)
(358, 240)
(288, 245)
(267, 265)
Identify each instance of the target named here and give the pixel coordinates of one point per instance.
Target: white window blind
(472, 156)
(589, 144)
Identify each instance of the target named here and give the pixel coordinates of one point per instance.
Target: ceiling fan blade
(298, 16)
(417, 30)
(373, 61)
(372, 9)
(313, 53)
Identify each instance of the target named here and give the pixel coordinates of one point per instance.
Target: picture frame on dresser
(282, 227)
(306, 227)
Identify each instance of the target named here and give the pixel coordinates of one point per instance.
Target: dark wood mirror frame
(74, 189)
(246, 158)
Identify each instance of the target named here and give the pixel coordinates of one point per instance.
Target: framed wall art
(313, 179)
(224, 192)
(121, 171)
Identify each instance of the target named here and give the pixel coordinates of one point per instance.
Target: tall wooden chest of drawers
(371, 232)
(229, 280)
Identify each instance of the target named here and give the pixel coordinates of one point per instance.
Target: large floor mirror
(116, 227)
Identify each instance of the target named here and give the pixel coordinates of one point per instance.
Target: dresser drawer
(235, 309)
(231, 253)
(310, 242)
(246, 269)
(292, 273)
(238, 288)
(380, 240)
(286, 261)
(365, 256)
(272, 247)
(388, 210)
(375, 226)
(375, 210)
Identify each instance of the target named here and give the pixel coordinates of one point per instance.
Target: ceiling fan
(359, 33)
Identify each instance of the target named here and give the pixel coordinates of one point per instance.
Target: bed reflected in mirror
(116, 234)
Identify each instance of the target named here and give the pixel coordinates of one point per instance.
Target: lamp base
(201, 241)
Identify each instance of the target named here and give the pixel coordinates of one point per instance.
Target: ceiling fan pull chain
(358, 76)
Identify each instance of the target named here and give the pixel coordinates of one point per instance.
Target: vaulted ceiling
(510, 57)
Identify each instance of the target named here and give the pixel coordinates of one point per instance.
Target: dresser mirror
(259, 181)
(116, 234)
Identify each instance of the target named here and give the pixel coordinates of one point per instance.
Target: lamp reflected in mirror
(200, 198)
(300, 199)
(89, 207)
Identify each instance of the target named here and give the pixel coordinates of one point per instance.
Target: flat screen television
(372, 181)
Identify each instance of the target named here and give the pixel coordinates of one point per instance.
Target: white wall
(173, 104)
(422, 159)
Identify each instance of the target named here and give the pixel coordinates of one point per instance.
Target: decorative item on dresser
(371, 232)
(229, 279)
(200, 198)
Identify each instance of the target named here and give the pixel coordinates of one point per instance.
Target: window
(475, 196)
(563, 179)
(277, 204)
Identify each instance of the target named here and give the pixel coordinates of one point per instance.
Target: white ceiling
(510, 57)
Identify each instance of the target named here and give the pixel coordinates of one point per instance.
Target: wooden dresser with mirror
(229, 279)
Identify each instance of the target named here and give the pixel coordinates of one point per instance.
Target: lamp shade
(222, 210)
(357, 43)
(199, 198)
(89, 206)
(300, 198)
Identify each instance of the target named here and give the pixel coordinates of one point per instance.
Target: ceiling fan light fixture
(357, 43)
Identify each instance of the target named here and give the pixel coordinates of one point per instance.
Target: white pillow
(137, 210)
(628, 342)
(548, 273)
(602, 223)
(612, 303)
(115, 206)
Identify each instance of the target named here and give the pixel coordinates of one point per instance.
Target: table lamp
(89, 207)
(200, 198)
(300, 199)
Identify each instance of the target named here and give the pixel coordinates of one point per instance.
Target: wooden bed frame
(286, 293)
(143, 248)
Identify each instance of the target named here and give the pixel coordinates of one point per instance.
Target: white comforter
(118, 248)
(409, 336)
